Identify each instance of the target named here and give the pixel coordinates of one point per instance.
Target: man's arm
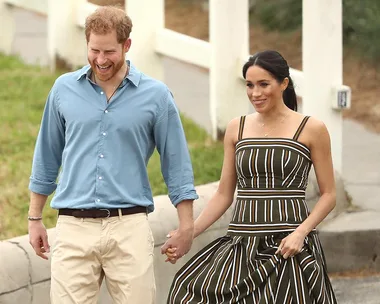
(46, 164)
(177, 171)
(182, 239)
(37, 232)
(37, 204)
(175, 159)
(49, 147)
(185, 215)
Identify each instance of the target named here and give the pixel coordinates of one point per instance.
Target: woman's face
(263, 90)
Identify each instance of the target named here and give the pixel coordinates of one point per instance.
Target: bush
(361, 27)
(361, 21)
(281, 15)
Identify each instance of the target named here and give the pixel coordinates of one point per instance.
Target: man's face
(105, 55)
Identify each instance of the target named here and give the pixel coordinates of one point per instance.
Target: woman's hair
(276, 65)
(105, 19)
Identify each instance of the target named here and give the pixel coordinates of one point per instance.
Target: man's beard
(114, 69)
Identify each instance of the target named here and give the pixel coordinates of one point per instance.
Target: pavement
(358, 290)
(353, 236)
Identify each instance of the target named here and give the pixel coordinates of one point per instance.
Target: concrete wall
(25, 278)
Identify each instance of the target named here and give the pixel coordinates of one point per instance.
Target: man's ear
(127, 45)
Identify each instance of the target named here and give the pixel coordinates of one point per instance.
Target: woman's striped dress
(242, 266)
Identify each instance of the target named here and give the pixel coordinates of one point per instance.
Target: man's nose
(101, 59)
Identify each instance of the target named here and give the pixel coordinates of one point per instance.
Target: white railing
(176, 45)
(224, 55)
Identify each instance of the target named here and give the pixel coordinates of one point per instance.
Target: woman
(271, 253)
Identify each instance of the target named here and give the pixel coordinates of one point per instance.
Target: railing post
(229, 39)
(66, 40)
(147, 18)
(323, 66)
(7, 28)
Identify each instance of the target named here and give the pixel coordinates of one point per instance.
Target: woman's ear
(284, 84)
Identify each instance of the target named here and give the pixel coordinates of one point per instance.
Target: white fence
(224, 55)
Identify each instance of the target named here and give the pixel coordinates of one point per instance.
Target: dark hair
(276, 65)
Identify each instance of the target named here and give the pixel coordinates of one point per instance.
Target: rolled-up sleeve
(171, 144)
(49, 147)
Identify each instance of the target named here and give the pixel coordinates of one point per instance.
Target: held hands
(171, 255)
(38, 238)
(178, 244)
(291, 245)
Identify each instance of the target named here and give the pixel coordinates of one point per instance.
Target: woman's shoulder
(234, 123)
(315, 133)
(233, 127)
(314, 125)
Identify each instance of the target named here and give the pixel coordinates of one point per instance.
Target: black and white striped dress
(242, 267)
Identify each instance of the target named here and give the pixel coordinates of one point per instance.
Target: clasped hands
(178, 244)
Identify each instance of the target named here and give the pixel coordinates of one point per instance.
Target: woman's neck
(274, 114)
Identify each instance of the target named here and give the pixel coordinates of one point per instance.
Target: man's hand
(178, 244)
(38, 238)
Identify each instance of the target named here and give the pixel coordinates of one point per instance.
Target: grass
(23, 92)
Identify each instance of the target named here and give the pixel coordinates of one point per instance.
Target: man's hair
(105, 19)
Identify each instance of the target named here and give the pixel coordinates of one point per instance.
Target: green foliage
(361, 27)
(361, 22)
(23, 92)
(280, 15)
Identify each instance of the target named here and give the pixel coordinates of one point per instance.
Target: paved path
(361, 148)
(365, 290)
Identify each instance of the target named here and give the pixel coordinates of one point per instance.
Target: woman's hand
(171, 255)
(292, 244)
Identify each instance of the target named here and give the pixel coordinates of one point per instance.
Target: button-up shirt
(100, 150)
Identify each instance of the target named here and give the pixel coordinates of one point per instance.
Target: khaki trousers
(119, 249)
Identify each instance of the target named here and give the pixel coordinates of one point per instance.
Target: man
(100, 126)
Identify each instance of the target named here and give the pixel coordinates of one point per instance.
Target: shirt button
(102, 92)
(104, 133)
(106, 111)
(100, 177)
(101, 155)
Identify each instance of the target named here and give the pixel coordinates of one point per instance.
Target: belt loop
(120, 214)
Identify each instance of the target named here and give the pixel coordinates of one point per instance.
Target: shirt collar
(134, 75)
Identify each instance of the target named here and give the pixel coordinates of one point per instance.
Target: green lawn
(23, 90)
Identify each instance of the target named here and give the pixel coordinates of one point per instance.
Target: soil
(191, 18)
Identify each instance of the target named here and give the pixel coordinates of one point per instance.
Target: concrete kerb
(22, 272)
(351, 242)
(350, 235)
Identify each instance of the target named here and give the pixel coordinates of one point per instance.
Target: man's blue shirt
(101, 150)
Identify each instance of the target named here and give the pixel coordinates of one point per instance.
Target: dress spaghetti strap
(241, 127)
(300, 128)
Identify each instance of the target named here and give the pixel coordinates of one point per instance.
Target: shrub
(361, 22)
